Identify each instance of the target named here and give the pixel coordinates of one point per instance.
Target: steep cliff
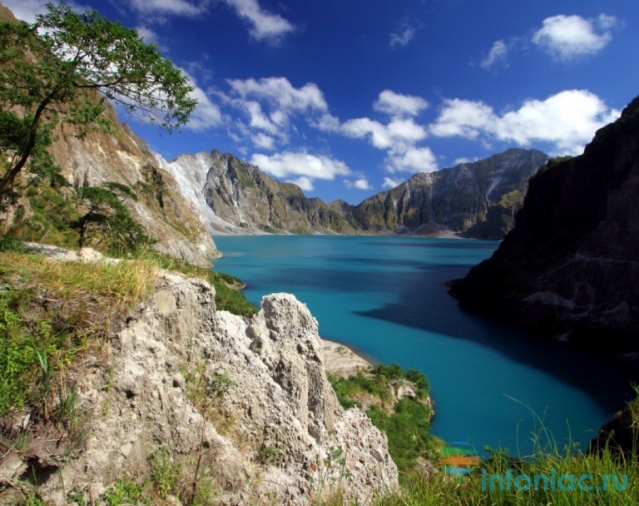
(121, 156)
(236, 197)
(241, 405)
(476, 199)
(570, 267)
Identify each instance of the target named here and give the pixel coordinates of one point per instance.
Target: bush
(406, 422)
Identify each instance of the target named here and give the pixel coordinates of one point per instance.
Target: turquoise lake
(385, 297)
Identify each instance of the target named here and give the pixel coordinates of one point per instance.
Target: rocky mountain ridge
(236, 197)
(460, 200)
(476, 199)
(570, 267)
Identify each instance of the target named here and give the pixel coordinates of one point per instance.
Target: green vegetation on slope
(405, 421)
(47, 320)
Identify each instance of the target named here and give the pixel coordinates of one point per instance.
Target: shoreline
(343, 360)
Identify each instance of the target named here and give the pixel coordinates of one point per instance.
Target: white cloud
(365, 127)
(300, 167)
(263, 141)
(207, 114)
(567, 120)
(412, 160)
(26, 10)
(396, 104)
(398, 137)
(264, 25)
(305, 183)
(149, 36)
(359, 184)
(605, 21)
(269, 104)
(281, 93)
(389, 182)
(570, 37)
(257, 118)
(463, 159)
(176, 7)
(497, 54)
(403, 36)
(398, 131)
(462, 118)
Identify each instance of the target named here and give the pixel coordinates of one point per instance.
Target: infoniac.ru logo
(459, 458)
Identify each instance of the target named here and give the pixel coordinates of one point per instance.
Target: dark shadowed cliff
(570, 268)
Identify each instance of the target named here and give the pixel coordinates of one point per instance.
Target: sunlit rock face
(570, 267)
(121, 156)
(236, 197)
(476, 199)
(247, 401)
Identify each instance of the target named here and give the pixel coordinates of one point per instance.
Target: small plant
(219, 384)
(166, 473)
(269, 454)
(125, 492)
(406, 421)
(11, 244)
(333, 472)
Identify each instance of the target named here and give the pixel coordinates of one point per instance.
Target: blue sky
(349, 97)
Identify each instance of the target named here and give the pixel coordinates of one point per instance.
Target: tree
(62, 68)
(106, 217)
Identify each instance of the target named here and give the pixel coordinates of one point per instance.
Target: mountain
(570, 267)
(236, 197)
(121, 156)
(476, 199)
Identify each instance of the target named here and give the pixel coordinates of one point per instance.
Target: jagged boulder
(247, 399)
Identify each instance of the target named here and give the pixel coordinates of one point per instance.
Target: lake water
(385, 296)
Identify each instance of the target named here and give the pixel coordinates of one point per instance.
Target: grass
(549, 477)
(228, 295)
(406, 422)
(48, 313)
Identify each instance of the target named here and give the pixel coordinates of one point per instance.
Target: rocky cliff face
(476, 199)
(165, 213)
(248, 400)
(236, 197)
(570, 267)
(124, 158)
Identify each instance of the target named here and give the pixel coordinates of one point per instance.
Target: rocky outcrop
(477, 199)
(246, 399)
(236, 197)
(570, 268)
